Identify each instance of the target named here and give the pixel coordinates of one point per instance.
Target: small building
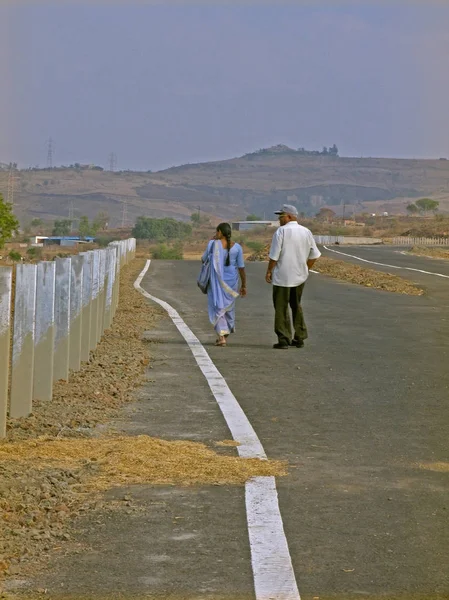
(247, 225)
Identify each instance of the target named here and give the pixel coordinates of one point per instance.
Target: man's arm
(275, 252)
(314, 253)
(269, 274)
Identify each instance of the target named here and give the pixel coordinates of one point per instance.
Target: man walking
(293, 252)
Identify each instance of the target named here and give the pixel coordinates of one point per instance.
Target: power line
(12, 178)
(112, 161)
(50, 154)
(125, 213)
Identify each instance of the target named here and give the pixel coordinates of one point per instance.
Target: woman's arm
(242, 274)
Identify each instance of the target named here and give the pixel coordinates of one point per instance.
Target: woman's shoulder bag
(204, 276)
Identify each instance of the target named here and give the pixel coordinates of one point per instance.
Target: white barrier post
(109, 309)
(76, 304)
(44, 333)
(62, 319)
(86, 321)
(117, 275)
(23, 342)
(95, 294)
(115, 281)
(101, 294)
(5, 342)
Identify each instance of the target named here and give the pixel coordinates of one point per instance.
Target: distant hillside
(255, 183)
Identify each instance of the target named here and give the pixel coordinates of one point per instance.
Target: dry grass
(346, 271)
(438, 467)
(431, 252)
(227, 443)
(139, 460)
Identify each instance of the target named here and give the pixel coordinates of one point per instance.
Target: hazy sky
(176, 82)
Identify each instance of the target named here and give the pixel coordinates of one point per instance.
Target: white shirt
(291, 247)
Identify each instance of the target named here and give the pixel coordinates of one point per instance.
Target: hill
(230, 189)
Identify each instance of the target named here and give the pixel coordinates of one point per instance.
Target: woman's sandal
(220, 342)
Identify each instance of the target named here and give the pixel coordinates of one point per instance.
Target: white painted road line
(274, 578)
(385, 265)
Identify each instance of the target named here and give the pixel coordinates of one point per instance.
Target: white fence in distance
(395, 241)
(61, 310)
(419, 241)
(329, 239)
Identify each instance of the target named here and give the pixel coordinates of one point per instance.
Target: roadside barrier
(61, 310)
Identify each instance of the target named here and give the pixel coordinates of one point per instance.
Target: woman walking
(226, 265)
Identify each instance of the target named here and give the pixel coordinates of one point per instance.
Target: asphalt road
(358, 413)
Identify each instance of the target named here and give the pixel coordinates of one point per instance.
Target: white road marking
(385, 265)
(274, 578)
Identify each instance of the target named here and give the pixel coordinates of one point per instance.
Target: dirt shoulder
(345, 271)
(38, 499)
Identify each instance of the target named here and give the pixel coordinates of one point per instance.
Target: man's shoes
(280, 346)
(297, 343)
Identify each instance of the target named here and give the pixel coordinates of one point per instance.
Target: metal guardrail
(61, 310)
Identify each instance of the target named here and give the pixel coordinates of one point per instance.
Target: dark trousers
(283, 297)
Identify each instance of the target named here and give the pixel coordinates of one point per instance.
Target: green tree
(160, 230)
(9, 225)
(62, 227)
(427, 205)
(412, 209)
(36, 223)
(101, 221)
(253, 218)
(198, 219)
(325, 214)
(84, 227)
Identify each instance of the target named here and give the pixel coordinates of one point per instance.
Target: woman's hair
(226, 231)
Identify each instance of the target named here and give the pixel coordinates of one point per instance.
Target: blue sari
(223, 286)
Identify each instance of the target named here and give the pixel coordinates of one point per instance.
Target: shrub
(34, 252)
(255, 245)
(104, 241)
(164, 252)
(159, 230)
(15, 256)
